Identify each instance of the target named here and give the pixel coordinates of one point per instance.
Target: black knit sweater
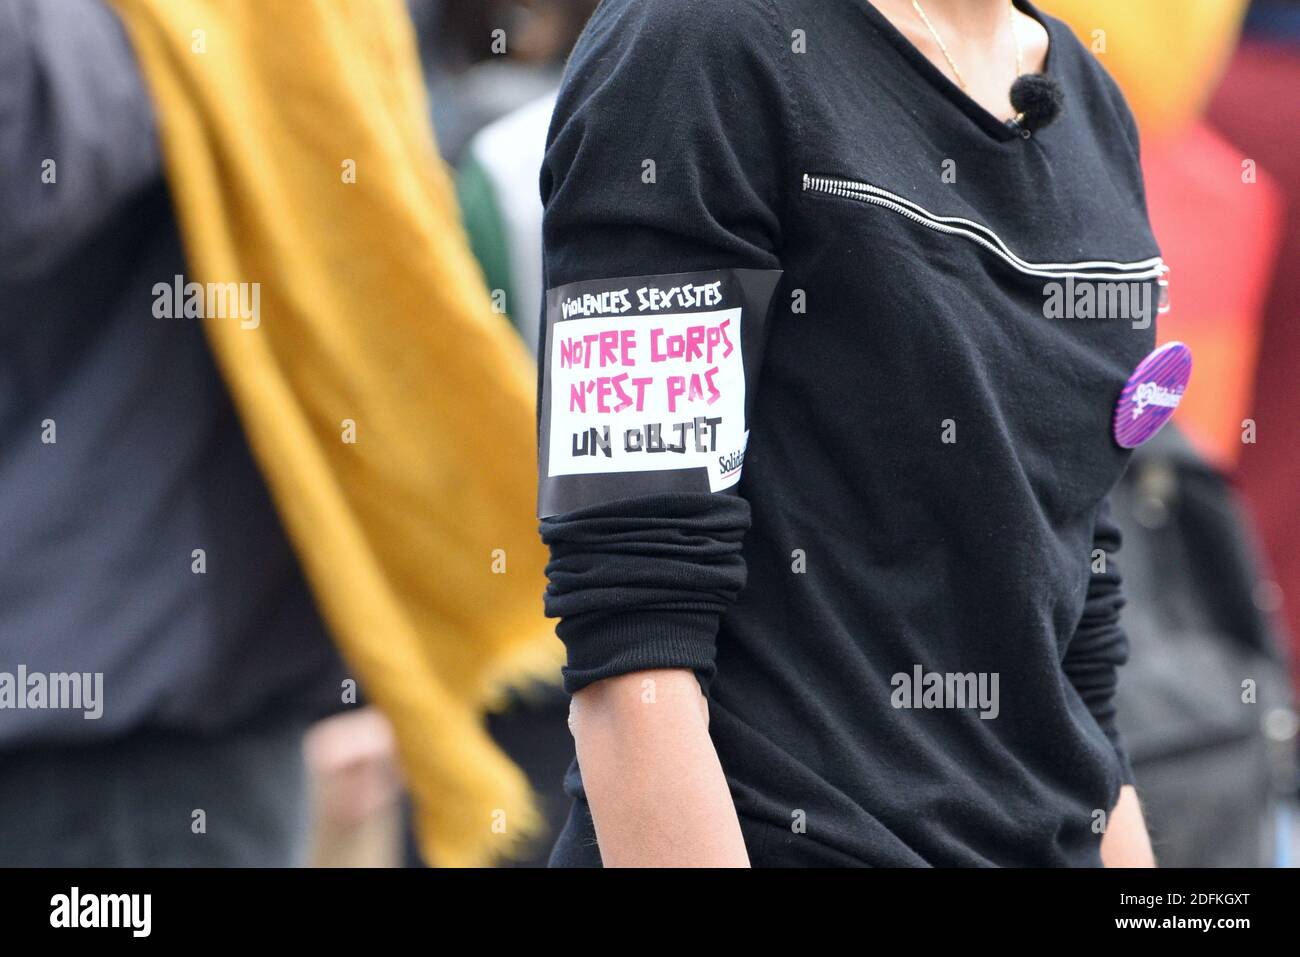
(923, 500)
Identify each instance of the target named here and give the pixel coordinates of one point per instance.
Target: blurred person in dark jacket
(160, 655)
(141, 548)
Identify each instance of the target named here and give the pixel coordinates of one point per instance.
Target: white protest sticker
(646, 385)
(648, 393)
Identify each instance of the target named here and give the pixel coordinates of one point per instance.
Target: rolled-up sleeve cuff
(603, 645)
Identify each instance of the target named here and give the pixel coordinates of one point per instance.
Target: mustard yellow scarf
(390, 410)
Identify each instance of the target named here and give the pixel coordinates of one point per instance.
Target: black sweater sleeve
(664, 156)
(1099, 645)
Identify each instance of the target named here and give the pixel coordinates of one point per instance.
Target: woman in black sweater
(818, 238)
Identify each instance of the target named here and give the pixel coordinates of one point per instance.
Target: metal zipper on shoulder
(1152, 268)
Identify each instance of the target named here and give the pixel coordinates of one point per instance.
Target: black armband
(647, 384)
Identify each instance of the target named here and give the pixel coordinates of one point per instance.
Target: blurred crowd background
(1211, 559)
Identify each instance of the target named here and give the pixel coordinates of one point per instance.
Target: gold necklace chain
(1011, 19)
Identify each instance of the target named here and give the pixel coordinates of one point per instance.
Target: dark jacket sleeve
(667, 153)
(1099, 645)
(70, 92)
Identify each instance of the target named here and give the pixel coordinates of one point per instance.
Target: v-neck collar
(995, 127)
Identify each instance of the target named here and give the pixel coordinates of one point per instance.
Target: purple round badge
(1153, 392)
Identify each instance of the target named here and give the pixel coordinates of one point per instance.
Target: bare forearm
(657, 792)
(1126, 842)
